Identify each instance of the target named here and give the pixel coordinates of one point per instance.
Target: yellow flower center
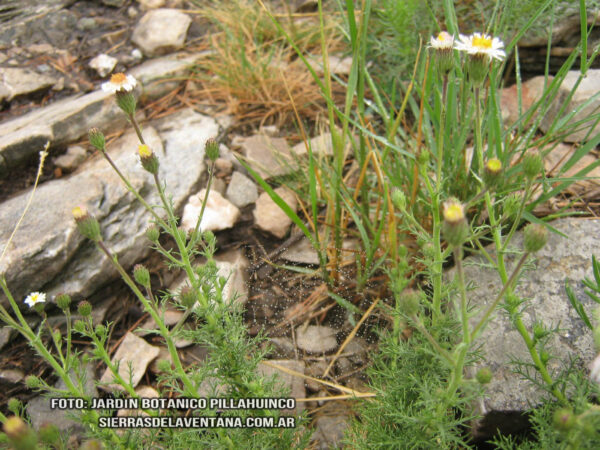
(453, 212)
(482, 42)
(118, 78)
(442, 36)
(35, 298)
(79, 212)
(494, 165)
(144, 151)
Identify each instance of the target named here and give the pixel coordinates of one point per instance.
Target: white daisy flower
(443, 41)
(119, 82)
(34, 298)
(479, 44)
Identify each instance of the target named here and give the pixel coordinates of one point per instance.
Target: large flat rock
(49, 254)
(544, 285)
(70, 119)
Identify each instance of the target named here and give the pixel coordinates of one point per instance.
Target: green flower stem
(464, 317)
(3, 418)
(183, 253)
(542, 369)
(137, 129)
(54, 340)
(432, 340)
(36, 342)
(506, 288)
(210, 178)
(106, 359)
(131, 189)
(457, 371)
(513, 228)
(478, 136)
(191, 390)
(437, 225)
(438, 263)
(68, 314)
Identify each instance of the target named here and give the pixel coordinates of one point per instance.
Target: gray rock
(301, 252)
(559, 260)
(223, 167)
(233, 265)
(72, 159)
(294, 384)
(269, 217)
(87, 24)
(531, 92)
(585, 91)
(161, 31)
(241, 190)
(316, 339)
(282, 347)
(151, 4)
(15, 82)
(170, 317)
(40, 413)
(133, 355)
(219, 213)
(5, 335)
(12, 375)
(47, 252)
(103, 64)
(319, 145)
(115, 3)
(330, 431)
(70, 119)
(269, 157)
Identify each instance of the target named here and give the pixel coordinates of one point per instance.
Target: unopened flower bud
(49, 434)
(87, 224)
(539, 331)
(141, 275)
(84, 308)
(14, 405)
(148, 159)
(535, 237)
(19, 434)
(492, 172)
(399, 199)
(79, 326)
(484, 375)
(97, 139)
(163, 365)
(63, 301)
(187, 296)
(32, 382)
(532, 164)
(212, 149)
(152, 233)
(100, 330)
(409, 302)
(511, 205)
(564, 419)
(455, 227)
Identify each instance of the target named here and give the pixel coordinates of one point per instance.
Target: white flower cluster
(477, 44)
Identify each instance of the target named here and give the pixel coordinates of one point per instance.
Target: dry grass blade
(339, 387)
(350, 336)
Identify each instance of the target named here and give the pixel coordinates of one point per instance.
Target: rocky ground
(54, 57)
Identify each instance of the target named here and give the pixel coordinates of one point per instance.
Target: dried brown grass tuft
(252, 69)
